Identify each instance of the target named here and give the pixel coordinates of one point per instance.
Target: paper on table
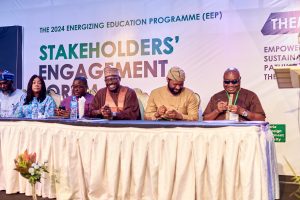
(92, 120)
(81, 103)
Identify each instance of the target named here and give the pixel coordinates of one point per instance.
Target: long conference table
(142, 160)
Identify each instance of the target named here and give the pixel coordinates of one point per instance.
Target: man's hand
(233, 109)
(236, 109)
(106, 112)
(57, 112)
(222, 106)
(160, 111)
(62, 113)
(173, 114)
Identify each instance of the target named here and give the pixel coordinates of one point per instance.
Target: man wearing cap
(115, 101)
(9, 96)
(234, 102)
(174, 101)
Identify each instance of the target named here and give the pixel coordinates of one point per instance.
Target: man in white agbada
(9, 95)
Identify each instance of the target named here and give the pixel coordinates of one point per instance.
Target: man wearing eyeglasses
(173, 101)
(115, 102)
(234, 102)
(79, 89)
(9, 95)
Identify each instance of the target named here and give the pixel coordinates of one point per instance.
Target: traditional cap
(6, 76)
(176, 74)
(110, 71)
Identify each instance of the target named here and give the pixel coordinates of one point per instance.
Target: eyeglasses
(235, 81)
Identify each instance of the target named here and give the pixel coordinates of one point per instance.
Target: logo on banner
(282, 23)
(281, 60)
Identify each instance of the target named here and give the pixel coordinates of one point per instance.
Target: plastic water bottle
(74, 107)
(34, 109)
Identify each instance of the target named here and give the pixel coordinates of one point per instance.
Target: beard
(173, 90)
(8, 89)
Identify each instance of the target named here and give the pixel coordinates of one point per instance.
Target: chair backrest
(198, 99)
(56, 97)
(143, 99)
(198, 104)
(92, 91)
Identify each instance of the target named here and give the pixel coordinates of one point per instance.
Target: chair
(198, 99)
(56, 97)
(198, 104)
(143, 99)
(92, 91)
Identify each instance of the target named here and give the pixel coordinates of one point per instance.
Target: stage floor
(18, 196)
(286, 189)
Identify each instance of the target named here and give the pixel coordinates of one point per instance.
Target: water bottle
(74, 107)
(34, 109)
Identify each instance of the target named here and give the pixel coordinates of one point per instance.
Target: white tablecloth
(232, 163)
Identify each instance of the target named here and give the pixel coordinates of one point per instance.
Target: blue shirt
(45, 108)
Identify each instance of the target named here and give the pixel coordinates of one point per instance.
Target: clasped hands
(106, 112)
(223, 106)
(163, 112)
(62, 112)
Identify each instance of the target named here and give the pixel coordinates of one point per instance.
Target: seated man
(9, 96)
(174, 101)
(115, 101)
(79, 89)
(234, 102)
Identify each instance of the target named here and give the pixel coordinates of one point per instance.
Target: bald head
(232, 70)
(232, 80)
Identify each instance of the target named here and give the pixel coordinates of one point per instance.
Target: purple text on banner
(282, 23)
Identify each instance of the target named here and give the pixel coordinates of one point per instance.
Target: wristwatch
(245, 113)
